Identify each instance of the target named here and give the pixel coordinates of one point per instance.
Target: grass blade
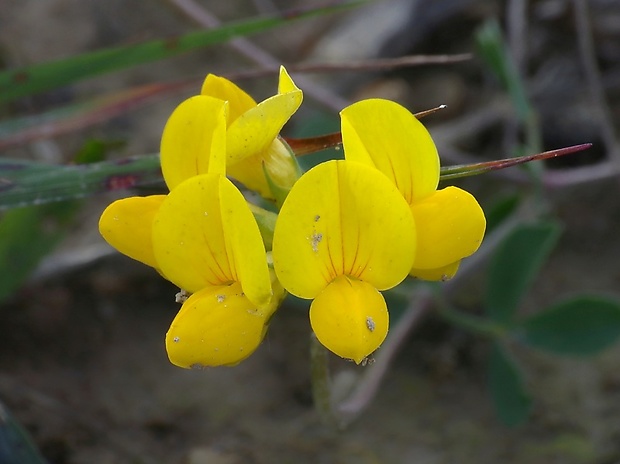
(25, 183)
(40, 77)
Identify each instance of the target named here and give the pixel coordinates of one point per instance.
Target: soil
(82, 362)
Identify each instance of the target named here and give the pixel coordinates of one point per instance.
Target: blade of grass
(40, 77)
(77, 116)
(465, 170)
(25, 183)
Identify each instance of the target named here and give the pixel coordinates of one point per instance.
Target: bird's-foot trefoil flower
(206, 241)
(203, 237)
(344, 232)
(449, 222)
(255, 154)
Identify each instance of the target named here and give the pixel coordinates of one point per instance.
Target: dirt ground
(82, 361)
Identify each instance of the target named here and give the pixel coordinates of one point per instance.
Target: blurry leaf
(30, 183)
(16, 446)
(515, 265)
(511, 400)
(26, 235)
(39, 77)
(493, 50)
(501, 208)
(94, 150)
(582, 326)
(398, 301)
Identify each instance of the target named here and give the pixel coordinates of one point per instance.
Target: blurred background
(82, 363)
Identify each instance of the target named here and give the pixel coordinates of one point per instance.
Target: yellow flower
(127, 224)
(343, 233)
(206, 241)
(252, 141)
(203, 237)
(449, 223)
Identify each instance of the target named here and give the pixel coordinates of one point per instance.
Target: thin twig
(420, 304)
(376, 64)
(557, 178)
(368, 386)
(587, 53)
(256, 54)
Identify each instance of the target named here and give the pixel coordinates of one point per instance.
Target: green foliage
(501, 208)
(95, 150)
(581, 326)
(512, 401)
(30, 183)
(493, 50)
(515, 265)
(26, 235)
(40, 77)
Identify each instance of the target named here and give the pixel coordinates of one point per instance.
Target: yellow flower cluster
(346, 229)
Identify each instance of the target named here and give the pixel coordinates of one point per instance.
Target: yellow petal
(438, 274)
(286, 84)
(385, 135)
(221, 88)
(279, 294)
(257, 128)
(350, 318)
(450, 225)
(244, 244)
(217, 326)
(194, 140)
(342, 218)
(277, 161)
(188, 238)
(127, 225)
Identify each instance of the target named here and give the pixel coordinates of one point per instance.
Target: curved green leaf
(26, 236)
(582, 326)
(515, 265)
(512, 402)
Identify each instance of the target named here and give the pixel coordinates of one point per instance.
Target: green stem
(476, 324)
(321, 391)
(472, 323)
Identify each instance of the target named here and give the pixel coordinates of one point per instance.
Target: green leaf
(266, 221)
(26, 235)
(515, 265)
(29, 183)
(493, 50)
(40, 77)
(582, 326)
(502, 207)
(512, 402)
